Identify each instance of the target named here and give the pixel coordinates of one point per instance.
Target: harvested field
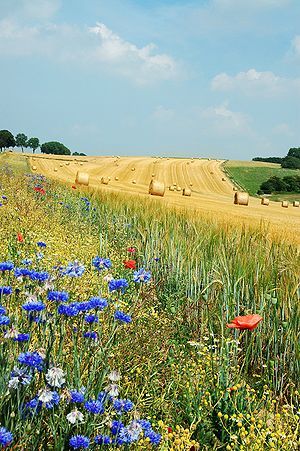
(210, 194)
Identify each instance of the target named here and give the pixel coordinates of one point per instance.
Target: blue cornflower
(102, 440)
(40, 276)
(33, 404)
(94, 406)
(6, 266)
(101, 263)
(92, 335)
(79, 441)
(5, 290)
(4, 320)
(154, 437)
(103, 395)
(123, 405)
(91, 319)
(22, 337)
(41, 244)
(116, 426)
(22, 272)
(98, 303)
(6, 437)
(76, 396)
(26, 262)
(118, 284)
(83, 306)
(60, 296)
(33, 306)
(1, 205)
(141, 275)
(4, 197)
(39, 255)
(19, 376)
(68, 309)
(145, 424)
(73, 269)
(2, 310)
(48, 398)
(121, 316)
(32, 359)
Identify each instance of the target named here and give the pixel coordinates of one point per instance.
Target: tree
(291, 162)
(277, 160)
(55, 148)
(21, 140)
(294, 152)
(77, 154)
(33, 143)
(6, 139)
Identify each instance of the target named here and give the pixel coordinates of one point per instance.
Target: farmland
(211, 195)
(126, 299)
(251, 174)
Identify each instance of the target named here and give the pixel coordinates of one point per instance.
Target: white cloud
(295, 47)
(95, 47)
(254, 82)
(223, 119)
(162, 114)
(139, 63)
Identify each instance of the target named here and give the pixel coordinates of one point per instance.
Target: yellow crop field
(212, 191)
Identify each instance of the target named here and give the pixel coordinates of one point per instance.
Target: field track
(209, 192)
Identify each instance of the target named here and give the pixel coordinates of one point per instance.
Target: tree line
(290, 161)
(287, 184)
(8, 140)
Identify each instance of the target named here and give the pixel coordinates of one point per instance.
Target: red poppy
(249, 322)
(74, 187)
(20, 238)
(39, 190)
(130, 264)
(131, 250)
(170, 430)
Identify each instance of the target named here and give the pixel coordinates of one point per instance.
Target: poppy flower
(249, 322)
(170, 430)
(20, 238)
(40, 190)
(131, 250)
(130, 264)
(74, 187)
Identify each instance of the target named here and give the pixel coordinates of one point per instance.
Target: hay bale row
(82, 178)
(296, 203)
(265, 201)
(285, 204)
(104, 180)
(156, 188)
(241, 198)
(186, 192)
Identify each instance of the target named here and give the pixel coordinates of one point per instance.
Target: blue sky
(153, 77)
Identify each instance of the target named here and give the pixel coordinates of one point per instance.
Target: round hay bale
(34, 168)
(133, 168)
(67, 163)
(265, 201)
(116, 178)
(241, 198)
(234, 188)
(33, 159)
(55, 169)
(191, 184)
(186, 192)
(178, 188)
(192, 161)
(153, 175)
(81, 164)
(285, 204)
(82, 178)
(134, 182)
(171, 188)
(156, 188)
(61, 165)
(296, 203)
(105, 180)
(109, 178)
(187, 162)
(212, 173)
(223, 179)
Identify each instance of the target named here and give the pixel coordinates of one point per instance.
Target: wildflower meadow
(124, 325)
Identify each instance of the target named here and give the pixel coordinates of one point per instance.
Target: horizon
(176, 78)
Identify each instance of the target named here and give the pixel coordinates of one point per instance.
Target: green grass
(251, 177)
